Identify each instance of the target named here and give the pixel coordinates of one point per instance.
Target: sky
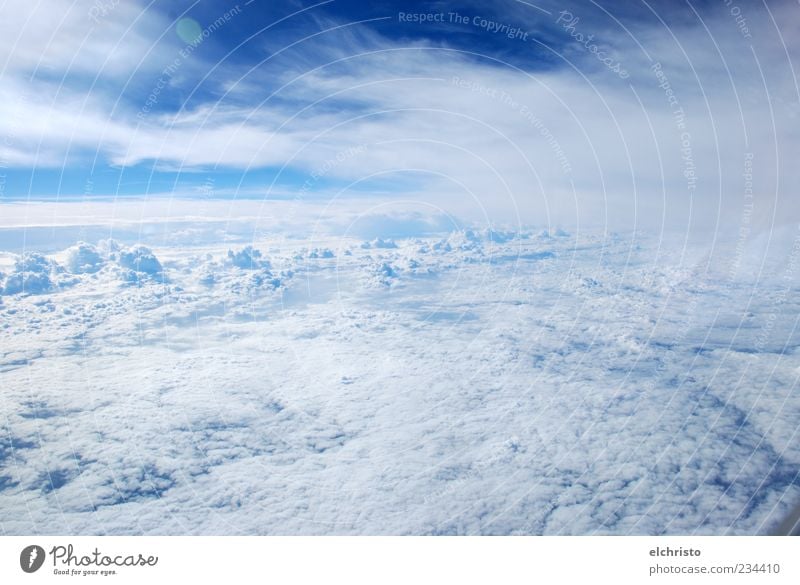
(327, 267)
(631, 115)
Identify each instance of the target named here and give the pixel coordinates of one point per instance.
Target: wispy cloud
(574, 143)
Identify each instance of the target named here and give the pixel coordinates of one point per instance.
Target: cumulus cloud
(321, 253)
(385, 243)
(139, 262)
(248, 258)
(482, 381)
(33, 274)
(84, 258)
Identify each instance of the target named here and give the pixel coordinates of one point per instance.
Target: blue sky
(107, 99)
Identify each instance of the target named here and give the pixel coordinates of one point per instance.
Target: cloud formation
(468, 382)
(569, 142)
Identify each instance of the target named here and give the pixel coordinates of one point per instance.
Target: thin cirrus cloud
(572, 143)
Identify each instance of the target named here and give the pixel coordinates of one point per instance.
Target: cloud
(140, 259)
(83, 258)
(571, 143)
(247, 258)
(49, 39)
(479, 382)
(383, 343)
(32, 274)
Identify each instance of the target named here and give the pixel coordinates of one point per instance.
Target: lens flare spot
(188, 30)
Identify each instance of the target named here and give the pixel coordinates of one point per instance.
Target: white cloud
(335, 362)
(493, 383)
(50, 38)
(490, 139)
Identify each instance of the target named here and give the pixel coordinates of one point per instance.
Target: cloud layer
(469, 382)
